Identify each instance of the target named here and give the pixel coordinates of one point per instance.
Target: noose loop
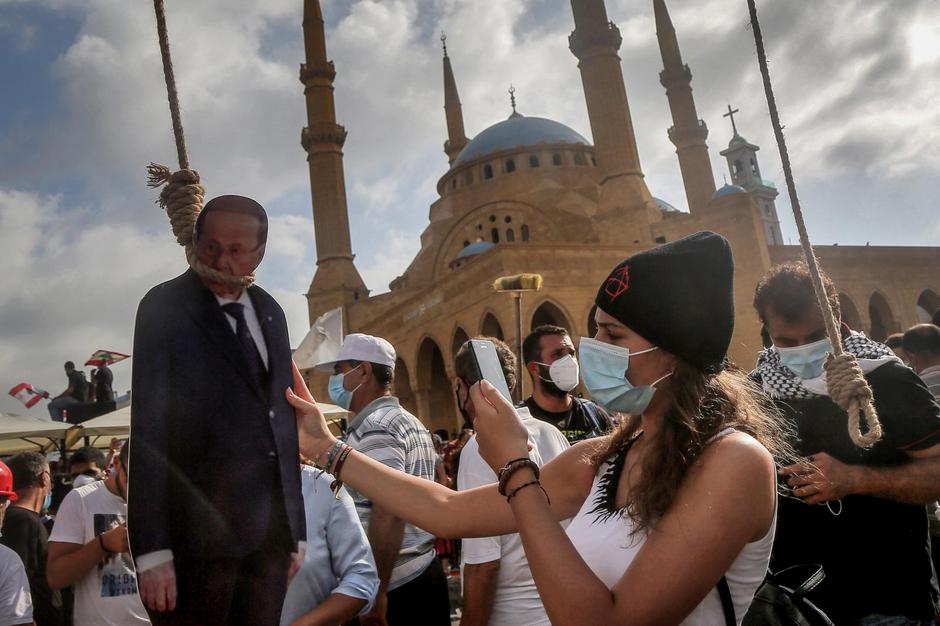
(182, 196)
(844, 378)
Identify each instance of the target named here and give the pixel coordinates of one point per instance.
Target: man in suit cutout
(215, 510)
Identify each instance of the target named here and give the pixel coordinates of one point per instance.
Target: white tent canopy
(19, 433)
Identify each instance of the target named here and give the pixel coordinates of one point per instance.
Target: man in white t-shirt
(498, 588)
(16, 603)
(88, 548)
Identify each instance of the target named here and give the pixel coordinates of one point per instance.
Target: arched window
(453, 184)
(487, 171)
(556, 159)
(754, 169)
(525, 232)
(579, 159)
(510, 166)
(736, 168)
(495, 235)
(533, 160)
(510, 235)
(468, 178)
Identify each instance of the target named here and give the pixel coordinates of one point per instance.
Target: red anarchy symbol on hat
(618, 282)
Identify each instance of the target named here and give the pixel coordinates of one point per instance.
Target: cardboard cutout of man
(215, 508)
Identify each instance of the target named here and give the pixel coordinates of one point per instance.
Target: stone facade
(553, 204)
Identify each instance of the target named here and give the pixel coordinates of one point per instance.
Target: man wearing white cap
(412, 586)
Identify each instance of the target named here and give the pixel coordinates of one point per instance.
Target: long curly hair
(702, 404)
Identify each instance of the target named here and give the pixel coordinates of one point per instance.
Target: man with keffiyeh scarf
(860, 513)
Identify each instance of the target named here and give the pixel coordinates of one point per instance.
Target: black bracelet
(505, 474)
(528, 484)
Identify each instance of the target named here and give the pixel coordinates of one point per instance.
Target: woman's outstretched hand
(500, 433)
(313, 434)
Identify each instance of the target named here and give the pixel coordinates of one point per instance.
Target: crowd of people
(666, 497)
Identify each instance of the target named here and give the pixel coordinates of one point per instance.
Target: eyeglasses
(213, 250)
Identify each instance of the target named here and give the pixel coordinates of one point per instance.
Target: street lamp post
(516, 285)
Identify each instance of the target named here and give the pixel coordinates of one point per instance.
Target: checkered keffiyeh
(781, 383)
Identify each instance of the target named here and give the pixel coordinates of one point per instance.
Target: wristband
(101, 543)
(332, 455)
(337, 484)
(511, 468)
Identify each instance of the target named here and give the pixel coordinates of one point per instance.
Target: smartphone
(488, 367)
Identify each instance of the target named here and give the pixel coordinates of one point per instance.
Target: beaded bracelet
(528, 484)
(511, 468)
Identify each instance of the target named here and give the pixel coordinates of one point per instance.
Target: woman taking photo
(679, 496)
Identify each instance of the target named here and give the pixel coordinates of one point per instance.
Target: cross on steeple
(512, 97)
(444, 42)
(730, 114)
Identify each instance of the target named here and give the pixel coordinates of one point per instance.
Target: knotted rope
(844, 378)
(182, 196)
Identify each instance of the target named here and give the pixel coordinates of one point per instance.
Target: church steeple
(745, 172)
(688, 132)
(456, 137)
(595, 42)
(336, 281)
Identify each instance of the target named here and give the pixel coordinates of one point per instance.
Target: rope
(844, 378)
(182, 196)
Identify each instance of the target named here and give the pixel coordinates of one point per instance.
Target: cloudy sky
(83, 110)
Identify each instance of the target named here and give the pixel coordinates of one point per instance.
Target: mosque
(530, 194)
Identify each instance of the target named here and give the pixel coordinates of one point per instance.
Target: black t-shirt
(24, 533)
(876, 552)
(78, 383)
(103, 384)
(582, 420)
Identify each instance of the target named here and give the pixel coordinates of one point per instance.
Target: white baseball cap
(361, 347)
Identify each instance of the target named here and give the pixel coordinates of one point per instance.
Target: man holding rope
(869, 531)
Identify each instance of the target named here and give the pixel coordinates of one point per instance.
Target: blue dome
(517, 131)
(664, 206)
(474, 249)
(727, 190)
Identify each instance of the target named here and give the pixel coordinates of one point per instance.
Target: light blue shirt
(338, 559)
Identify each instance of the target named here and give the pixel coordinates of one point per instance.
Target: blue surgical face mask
(806, 361)
(338, 393)
(604, 370)
(47, 502)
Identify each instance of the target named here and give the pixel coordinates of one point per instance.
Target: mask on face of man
(559, 377)
(806, 361)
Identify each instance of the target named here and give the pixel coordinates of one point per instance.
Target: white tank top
(605, 544)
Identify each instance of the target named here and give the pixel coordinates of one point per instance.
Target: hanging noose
(844, 378)
(182, 195)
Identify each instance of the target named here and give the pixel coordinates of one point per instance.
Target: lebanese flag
(28, 395)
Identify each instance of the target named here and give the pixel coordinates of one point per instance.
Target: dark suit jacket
(213, 460)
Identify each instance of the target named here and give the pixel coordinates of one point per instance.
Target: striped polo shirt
(386, 432)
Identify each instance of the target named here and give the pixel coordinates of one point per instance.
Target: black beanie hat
(679, 296)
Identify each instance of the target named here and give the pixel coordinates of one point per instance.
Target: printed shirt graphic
(107, 594)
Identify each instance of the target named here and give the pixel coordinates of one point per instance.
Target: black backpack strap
(727, 606)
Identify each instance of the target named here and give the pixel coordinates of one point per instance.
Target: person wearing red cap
(16, 603)
(671, 512)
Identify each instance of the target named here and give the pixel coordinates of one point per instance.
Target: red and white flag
(28, 395)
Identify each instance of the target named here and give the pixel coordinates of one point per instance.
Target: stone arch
(591, 324)
(549, 312)
(928, 303)
(435, 397)
(883, 321)
(402, 387)
(460, 338)
(850, 313)
(490, 327)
